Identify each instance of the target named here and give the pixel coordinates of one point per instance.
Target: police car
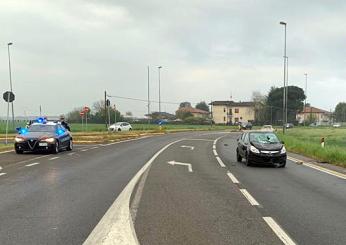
(43, 135)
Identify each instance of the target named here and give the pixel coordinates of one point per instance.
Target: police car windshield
(42, 128)
(264, 138)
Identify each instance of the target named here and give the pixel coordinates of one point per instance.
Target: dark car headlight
(254, 150)
(283, 150)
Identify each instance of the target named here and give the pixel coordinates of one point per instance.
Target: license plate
(43, 144)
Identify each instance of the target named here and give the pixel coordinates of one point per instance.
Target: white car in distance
(120, 126)
(268, 128)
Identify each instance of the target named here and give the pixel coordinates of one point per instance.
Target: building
(314, 115)
(231, 112)
(195, 112)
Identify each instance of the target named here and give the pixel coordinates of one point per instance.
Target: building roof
(193, 110)
(311, 109)
(233, 103)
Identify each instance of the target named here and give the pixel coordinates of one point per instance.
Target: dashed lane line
(233, 178)
(279, 231)
(32, 164)
(1, 174)
(220, 162)
(250, 198)
(53, 158)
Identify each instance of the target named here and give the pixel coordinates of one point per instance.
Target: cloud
(66, 53)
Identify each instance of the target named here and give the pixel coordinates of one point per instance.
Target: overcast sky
(66, 53)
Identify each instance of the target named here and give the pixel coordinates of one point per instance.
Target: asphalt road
(208, 205)
(60, 199)
(49, 200)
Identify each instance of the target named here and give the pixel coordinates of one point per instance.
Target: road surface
(191, 192)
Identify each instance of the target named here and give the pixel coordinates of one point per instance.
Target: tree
(202, 106)
(74, 116)
(295, 103)
(261, 112)
(181, 114)
(340, 112)
(185, 104)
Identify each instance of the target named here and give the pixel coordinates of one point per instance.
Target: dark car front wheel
(283, 165)
(239, 158)
(19, 151)
(55, 149)
(247, 161)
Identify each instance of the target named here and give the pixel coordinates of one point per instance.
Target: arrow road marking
(181, 163)
(188, 146)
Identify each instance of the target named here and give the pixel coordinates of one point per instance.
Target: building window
(236, 119)
(241, 118)
(236, 110)
(230, 111)
(224, 119)
(224, 109)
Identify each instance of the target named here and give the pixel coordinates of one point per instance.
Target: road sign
(8, 93)
(86, 109)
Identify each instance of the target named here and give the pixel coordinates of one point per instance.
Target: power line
(142, 100)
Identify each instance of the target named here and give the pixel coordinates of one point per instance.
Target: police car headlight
(254, 149)
(283, 150)
(49, 140)
(18, 139)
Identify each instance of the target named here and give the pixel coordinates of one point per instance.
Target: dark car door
(241, 144)
(245, 144)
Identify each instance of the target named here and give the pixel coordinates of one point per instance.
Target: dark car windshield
(264, 138)
(42, 128)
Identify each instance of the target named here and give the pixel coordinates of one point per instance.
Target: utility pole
(106, 109)
(115, 114)
(159, 68)
(306, 91)
(284, 90)
(10, 73)
(148, 97)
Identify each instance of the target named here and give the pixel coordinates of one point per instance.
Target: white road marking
(188, 146)
(53, 158)
(4, 152)
(322, 169)
(123, 141)
(250, 198)
(95, 147)
(200, 140)
(233, 178)
(70, 154)
(214, 147)
(279, 231)
(1, 174)
(215, 153)
(32, 164)
(189, 166)
(220, 162)
(116, 225)
(85, 150)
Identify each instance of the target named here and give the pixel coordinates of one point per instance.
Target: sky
(65, 54)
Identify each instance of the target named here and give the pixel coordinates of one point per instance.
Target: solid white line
(95, 147)
(32, 164)
(1, 174)
(215, 153)
(220, 162)
(319, 168)
(279, 231)
(250, 198)
(233, 178)
(116, 225)
(214, 147)
(53, 158)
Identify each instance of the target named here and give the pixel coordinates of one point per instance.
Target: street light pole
(159, 68)
(148, 96)
(10, 73)
(306, 91)
(284, 90)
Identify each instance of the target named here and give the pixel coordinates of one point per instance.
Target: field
(306, 141)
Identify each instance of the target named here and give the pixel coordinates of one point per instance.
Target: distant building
(313, 114)
(161, 115)
(195, 112)
(231, 112)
